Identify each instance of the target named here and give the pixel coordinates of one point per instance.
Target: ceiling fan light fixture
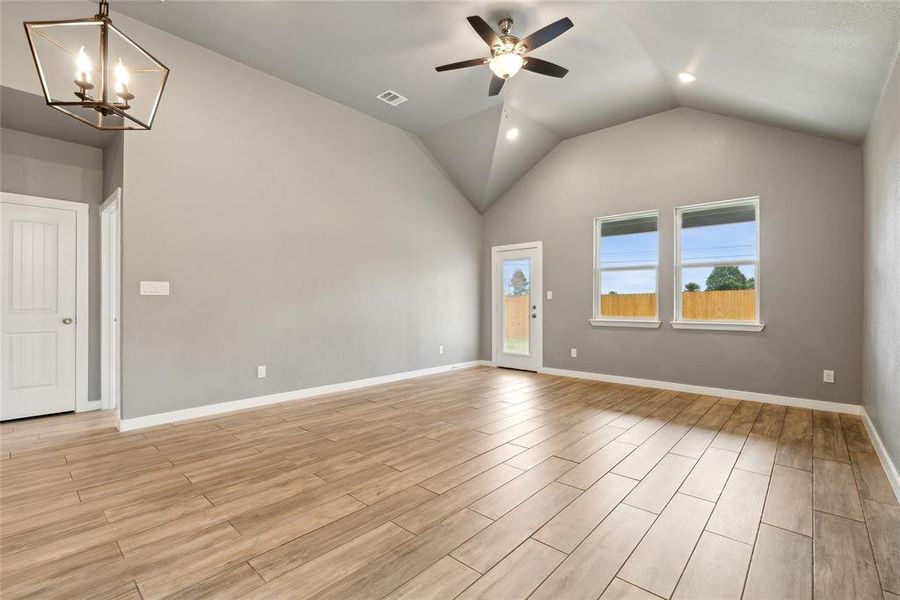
(506, 65)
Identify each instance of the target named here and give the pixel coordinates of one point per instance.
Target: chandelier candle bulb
(83, 73)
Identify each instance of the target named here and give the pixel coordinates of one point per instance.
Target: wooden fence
(516, 315)
(728, 305)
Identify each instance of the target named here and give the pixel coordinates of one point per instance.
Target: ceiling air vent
(391, 97)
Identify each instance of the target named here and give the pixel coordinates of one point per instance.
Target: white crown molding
(889, 467)
(853, 409)
(244, 403)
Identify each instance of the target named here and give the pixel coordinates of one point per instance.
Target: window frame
(678, 322)
(598, 320)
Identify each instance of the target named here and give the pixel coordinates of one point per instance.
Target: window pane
(626, 245)
(722, 293)
(719, 234)
(516, 306)
(629, 242)
(628, 293)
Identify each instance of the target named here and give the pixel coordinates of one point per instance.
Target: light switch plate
(154, 288)
(549, 295)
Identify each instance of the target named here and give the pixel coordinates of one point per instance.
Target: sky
(733, 241)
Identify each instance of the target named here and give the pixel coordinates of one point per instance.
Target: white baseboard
(486, 363)
(244, 403)
(889, 467)
(853, 409)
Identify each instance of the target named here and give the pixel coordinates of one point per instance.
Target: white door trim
(82, 233)
(111, 269)
(538, 299)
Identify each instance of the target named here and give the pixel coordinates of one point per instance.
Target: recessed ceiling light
(686, 77)
(512, 133)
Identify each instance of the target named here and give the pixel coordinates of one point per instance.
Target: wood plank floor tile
(388, 572)
(795, 443)
(828, 437)
(502, 500)
(789, 502)
(498, 539)
(657, 488)
(781, 568)
(834, 489)
(695, 441)
(740, 506)
(568, 528)
(736, 429)
(437, 509)
(367, 493)
(597, 465)
(659, 559)
(622, 590)
(708, 478)
(871, 479)
(593, 564)
(843, 564)
(309, 579)
(716, 570)
(517, 575)
(444, 579)
(884, 530)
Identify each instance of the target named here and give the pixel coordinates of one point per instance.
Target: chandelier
(92, 71)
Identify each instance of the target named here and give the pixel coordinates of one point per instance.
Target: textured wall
(881, 333)
(811, 248)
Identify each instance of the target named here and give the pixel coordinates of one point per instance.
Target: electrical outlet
(261, 372)
(549, 295)
(828, 376)
(574, 353)
(440, 349)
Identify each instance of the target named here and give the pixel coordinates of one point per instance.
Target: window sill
(718, 326)
(639, 323)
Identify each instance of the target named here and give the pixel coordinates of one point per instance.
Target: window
(626, 260)
(717, 266)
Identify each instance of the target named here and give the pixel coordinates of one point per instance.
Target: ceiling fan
(508, 53)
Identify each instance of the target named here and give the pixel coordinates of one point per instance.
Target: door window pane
(517, 306)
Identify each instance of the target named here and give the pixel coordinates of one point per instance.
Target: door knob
(534, 315)
(67, 321)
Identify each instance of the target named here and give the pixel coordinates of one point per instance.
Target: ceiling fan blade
(547, 34)
(475, 62)
(484, 30)
(544, 67)
(496, 85)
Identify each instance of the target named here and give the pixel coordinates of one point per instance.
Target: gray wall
(881, 255)
(811, 247)
(296, 233)
(50, 168)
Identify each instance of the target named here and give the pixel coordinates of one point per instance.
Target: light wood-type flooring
(476, 483)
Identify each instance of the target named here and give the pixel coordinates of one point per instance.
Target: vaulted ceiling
(815, 67)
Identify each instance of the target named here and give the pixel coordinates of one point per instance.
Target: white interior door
(39, 298)
(517, 308)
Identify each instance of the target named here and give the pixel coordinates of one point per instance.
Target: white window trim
(678, 322)
(599, 320)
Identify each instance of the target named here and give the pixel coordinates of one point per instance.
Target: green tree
(751, 283)
(727, 278)
(613, 293)
(692, 287)
(518, 283)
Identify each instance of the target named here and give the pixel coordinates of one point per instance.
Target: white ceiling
(816, 67)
